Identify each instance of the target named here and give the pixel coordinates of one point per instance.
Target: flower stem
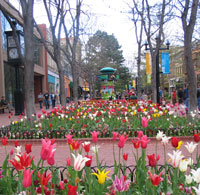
(119, 162)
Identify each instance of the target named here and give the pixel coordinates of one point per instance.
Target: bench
(2, 108)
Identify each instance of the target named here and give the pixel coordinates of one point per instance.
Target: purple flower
(121, 184)
(1, 171)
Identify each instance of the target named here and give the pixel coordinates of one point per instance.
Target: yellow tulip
(70, 118)
(16, 122)
(101, 176)
(179, 145)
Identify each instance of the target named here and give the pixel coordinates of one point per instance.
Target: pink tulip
(51, 160)
(69, 138)
(61, 185)
(144, 122)
(115, 134)
(68, 161)
(46, 149)
(27, 178)
(144, 141)
(140, 134)
(122, 140)
(94, 136)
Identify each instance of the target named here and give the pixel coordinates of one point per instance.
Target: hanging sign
(165, 63)
(148, 64)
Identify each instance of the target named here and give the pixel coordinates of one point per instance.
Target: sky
(110, 16)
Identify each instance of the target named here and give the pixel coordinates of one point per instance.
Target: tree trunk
(75, 82)
(29, 64)
(192, 86)
(139, 93)
(62, 87)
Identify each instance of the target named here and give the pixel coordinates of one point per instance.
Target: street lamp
(14, 60)
(157, 66)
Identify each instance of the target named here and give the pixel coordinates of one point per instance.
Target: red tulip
(72, 190)
(89, 162)
(86, 146)
(27, 178)
(175, 141)
(39, 115)
(75, 145)
(4, 141)
(125, 156)
(136, 143)
(122, 140)
(50, 125)
(152, 160)
(155, 179)
(115, 134)
(69, 138)
(196, 137)
(24, 161)
(28, 148)
(144, 122)
(16, 143)
(95, 136)
(11, 152)
(44, 179)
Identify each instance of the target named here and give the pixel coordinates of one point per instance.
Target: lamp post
(157, 67)
(14, 60)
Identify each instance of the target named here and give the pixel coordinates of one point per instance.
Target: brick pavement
(105, 150)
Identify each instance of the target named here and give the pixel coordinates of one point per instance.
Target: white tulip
(196, 175)
(188, 179)
(197, 190)
(176, 158)
(183, 165)
(191, 147)
(160, 135)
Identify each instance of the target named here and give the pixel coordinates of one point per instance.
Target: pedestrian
(46, 99)
(180, 95)
(40, 99)
(198, 98)
(186, 96)
(173, 96)
(53, 99)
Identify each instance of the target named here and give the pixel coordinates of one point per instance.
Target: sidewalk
(5, 120)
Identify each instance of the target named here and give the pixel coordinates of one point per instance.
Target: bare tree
(53, 46)
(188, 17)
(138, 13)
(27, 59)
(154, 24)
(72, 34)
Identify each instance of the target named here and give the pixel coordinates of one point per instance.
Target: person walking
(40, 98)
(53, 99)
(180, 95)
(46, 99)
(174, 96)
(186, 96)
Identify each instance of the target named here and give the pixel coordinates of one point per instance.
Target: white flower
(25, 117)
(190, 161)
(197, 190)
(79, 162)
(22, 119)
(165, 140)
(66, 116)
(196, 175)
(176, 158)
(95, 149)
(188, 179)
(159, 135)
(18, 149)
(42, 116)
(183, 165)
(85, 143)
(36, 126)
(191, 147)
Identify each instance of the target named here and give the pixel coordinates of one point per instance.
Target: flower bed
(103, 116)
(181, 176)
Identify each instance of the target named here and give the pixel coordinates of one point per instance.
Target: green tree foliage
(103, 50)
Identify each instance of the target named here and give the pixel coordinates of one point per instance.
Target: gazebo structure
(108, 77)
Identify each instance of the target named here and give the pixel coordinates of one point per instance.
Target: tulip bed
(103, 116)
(181, 176)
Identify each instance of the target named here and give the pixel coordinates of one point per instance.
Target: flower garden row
(181, 176)
(105, 117)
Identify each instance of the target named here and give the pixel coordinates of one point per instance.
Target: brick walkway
(105, 151)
